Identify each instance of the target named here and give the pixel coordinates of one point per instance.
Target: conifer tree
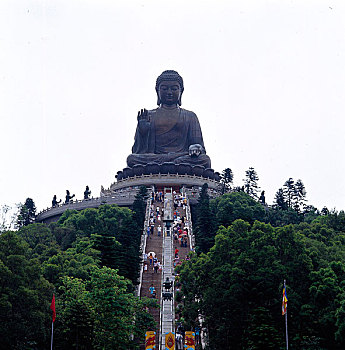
(300, 196)
(251, 186)
(226, 180)
(205, 223)
(139, 207)
(26, 214)
(324, 211)
(110, 248)
(279, 200)
(294, 195)
(289, 191)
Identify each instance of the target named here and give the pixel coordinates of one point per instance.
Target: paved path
(163, 247)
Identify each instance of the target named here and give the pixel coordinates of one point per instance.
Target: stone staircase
(163, 247)
(167, 306)
(153, 245)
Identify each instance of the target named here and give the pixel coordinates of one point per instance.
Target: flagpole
(51, 342)
(52, 307)
(286, 325)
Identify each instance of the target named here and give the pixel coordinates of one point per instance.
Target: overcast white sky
(266, 79)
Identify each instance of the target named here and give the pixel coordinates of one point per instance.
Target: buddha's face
(169, 92)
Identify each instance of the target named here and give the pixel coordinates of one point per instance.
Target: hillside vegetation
(235, 280)
(89, 259)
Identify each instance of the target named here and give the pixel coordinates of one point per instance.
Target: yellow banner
(170, 341)
(189, 340)
(150, 340)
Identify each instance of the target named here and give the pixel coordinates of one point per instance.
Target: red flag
(52, 307)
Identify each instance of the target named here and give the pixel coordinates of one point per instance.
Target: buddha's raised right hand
(143, 115)
(143, 121)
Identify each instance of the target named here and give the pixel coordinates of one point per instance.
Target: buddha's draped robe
(166, 137)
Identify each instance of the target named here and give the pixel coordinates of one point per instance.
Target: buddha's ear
(179, 100)
(158, 99)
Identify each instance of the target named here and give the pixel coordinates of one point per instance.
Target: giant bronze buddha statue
(168, 133)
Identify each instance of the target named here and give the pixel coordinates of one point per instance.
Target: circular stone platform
(123, 192)
(162, 180)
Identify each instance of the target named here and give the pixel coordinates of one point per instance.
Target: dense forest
(244, 252)
(90, 261)
(233, 282)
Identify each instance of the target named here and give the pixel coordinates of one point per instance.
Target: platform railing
(144, 241)
(189, 220)
(167, 310)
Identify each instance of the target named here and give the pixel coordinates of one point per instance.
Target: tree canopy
(251, 185)
(27, 213)
(237, 286)
(226, 179)
(233, 282)
(90, 260)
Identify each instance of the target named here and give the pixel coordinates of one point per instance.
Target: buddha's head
(169, 88)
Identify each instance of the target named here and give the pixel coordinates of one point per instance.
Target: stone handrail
(123, 198)
(189, 220)
(161, 178)
(144, 240)
(167, 311)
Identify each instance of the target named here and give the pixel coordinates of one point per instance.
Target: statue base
(167, 168)
(123, 191)
(191, 183)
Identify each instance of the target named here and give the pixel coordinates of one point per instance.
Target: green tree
(205, 222)
(74, 262)
(327, 291)
(101, 312)
(74, 325)
(324, 211)
(26, 214)
(289, 191)
(290, 205)
(25, 297)
(280, 200)
(237, 285)
(226, 179)
(41, 241)
(340, 322)
(109, 247)
(231, 282)
(251, 186)
(236, 205)
(310, 213)
(139, 207)
(264, 333)
(279, 217)
(110, 224)
(335, 220)
(299, 196)
(65, 236)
